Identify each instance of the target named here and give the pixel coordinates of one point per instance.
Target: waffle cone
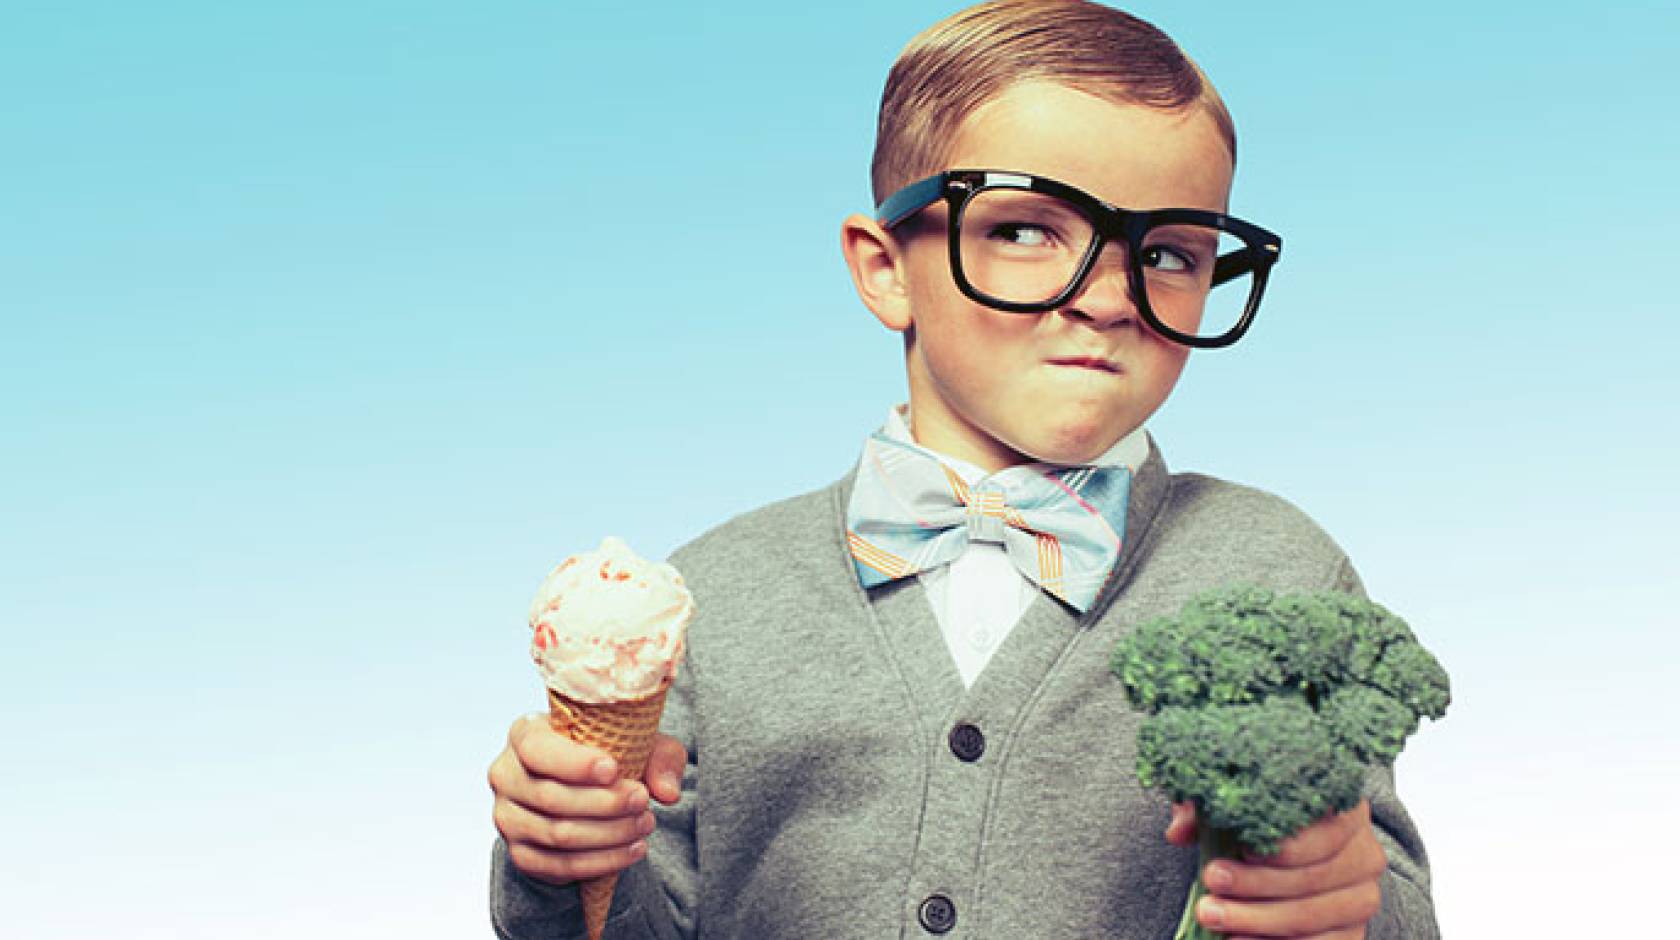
(625, 730)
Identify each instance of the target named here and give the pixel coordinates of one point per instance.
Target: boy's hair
(958, 64)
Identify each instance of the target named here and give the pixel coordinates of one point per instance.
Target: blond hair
(969, 58)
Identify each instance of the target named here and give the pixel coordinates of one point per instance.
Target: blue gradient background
(327, 328)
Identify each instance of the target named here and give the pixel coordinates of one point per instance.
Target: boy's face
(997, 388)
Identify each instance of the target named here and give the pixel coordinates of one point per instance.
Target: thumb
(665, 769)
(1182, 829)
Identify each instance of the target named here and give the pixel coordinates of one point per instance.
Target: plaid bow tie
(1060, 525)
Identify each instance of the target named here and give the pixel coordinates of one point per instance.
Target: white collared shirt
(979, 597)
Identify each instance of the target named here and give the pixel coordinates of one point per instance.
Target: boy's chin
(1075, 450)
(1084, 443)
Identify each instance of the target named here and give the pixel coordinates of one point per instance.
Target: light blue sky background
(325, 328)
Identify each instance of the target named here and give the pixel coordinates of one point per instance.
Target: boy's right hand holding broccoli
(1266, 712)
(1324, 881)
(562, 809)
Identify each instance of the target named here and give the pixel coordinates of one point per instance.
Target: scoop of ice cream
(608, 625)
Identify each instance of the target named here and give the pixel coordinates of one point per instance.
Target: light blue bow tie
(1061, 526)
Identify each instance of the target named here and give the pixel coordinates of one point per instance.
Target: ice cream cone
(607, 631)
(626, 731)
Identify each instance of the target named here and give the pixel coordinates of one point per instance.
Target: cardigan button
(937, 914)
(967, 742)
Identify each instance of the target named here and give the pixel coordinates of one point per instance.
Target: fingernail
(638, 849)
(605, 770)
(645, 824)
(671, 783)
(1210, 913)
(1217, 878)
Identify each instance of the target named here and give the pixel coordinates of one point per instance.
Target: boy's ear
(877, 264)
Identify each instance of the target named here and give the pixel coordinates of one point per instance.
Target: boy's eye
(1168, 258)
(1023, 234)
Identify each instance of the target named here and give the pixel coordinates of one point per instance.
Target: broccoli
(1266, 709)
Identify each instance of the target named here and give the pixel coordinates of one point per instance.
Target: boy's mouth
(1086, 362)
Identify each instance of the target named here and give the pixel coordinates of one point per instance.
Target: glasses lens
(1019, 246)
(1198, 278)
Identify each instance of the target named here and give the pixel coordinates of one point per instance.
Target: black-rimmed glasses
(1026, 244)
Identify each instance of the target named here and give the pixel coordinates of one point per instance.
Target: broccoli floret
(1266, 710)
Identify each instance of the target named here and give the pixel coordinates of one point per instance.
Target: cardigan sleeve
(523, 908)
(1407, 912)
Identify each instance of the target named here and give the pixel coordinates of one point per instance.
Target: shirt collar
(1129, 451)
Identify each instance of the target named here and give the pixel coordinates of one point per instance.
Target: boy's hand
(563, 811)
(1323, 882)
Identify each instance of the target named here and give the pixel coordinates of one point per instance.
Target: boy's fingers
(545, 752)
(566, 867)
(665, 769)
(1347, 908)
(553, 798)
(1319, 841)
(1362, 862)
(520, 826)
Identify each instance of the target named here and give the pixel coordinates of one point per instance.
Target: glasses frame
(1261, 250)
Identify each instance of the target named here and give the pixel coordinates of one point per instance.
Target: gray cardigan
(828, 796)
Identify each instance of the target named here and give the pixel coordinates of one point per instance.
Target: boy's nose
(1105, 298)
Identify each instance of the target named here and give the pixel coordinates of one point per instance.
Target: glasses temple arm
(909, 200)
(1237, 263)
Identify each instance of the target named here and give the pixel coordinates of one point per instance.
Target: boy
(888, 726)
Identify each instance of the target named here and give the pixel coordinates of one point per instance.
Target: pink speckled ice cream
(608, 625)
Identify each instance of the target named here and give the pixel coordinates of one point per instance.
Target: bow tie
(1060, 525)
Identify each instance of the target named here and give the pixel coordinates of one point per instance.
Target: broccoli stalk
(1211, 844)
(1266, 710)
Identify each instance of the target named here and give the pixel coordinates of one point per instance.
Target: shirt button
(967, 742)
(937, 914)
